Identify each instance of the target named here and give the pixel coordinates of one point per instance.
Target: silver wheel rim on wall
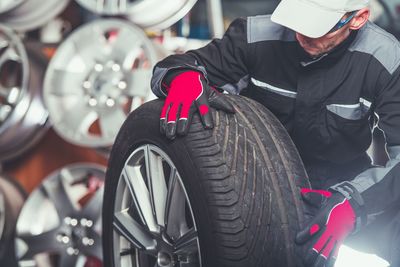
(159, 14)
(60, 223)
(6, 5)
(32, 14)
(153, 220)
(12, 198)
(23, 117)
(98, 75)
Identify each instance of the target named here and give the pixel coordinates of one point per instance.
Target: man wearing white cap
(327, 73)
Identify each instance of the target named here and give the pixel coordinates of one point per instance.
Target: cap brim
(304, 18)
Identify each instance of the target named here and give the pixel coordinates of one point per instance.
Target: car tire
(242, 179)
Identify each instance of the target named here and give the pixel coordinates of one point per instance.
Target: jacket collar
(330, 57)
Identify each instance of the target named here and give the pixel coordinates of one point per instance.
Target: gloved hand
(333, 221)
(186, 93)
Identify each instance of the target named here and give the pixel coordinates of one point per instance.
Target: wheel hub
(74, 234)
(105, 84)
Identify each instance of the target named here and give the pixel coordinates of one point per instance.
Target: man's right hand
(189, 92)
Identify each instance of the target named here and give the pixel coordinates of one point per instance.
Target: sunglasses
(343, 22)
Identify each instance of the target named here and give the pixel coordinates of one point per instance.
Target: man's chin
(313, 52)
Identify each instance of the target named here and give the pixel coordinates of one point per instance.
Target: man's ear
(360, 19)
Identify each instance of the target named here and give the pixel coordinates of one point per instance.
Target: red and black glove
(334, 219)
(187, 92)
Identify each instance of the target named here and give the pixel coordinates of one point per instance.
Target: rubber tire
(243, 180)
(15, 197)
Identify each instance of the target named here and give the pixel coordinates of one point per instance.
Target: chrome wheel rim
(60, 223)
(23, 117)
(153, 220)
(160, 14)
(14, 68)
(32, 14)
(109, 7)
(96, 78)
(6, 5)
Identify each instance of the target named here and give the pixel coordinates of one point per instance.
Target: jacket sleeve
(378, 188)
(223, 62)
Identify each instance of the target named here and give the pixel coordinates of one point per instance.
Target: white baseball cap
(314, 18)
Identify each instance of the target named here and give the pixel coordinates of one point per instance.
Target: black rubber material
(243, 180)
(14, 196)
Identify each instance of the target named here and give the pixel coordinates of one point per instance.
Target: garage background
(31, 150)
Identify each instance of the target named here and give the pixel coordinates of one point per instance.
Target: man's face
(318, 46)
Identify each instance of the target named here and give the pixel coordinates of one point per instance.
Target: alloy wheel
(6, 5)
(96, 78)
(23, 117)
(60, 223)
(153, 220)
(159, 14)
(32, 14)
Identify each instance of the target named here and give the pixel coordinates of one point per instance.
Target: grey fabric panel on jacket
(366, 43)
(378, 186)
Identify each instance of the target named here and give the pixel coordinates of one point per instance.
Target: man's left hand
(333, 221)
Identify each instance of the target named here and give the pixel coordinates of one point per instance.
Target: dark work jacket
(326, 104)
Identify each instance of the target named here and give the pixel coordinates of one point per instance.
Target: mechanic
(328, 74)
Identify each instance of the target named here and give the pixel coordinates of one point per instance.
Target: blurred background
(70, 73)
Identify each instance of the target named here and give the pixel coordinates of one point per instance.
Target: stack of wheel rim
(102, 71)
(23, 117)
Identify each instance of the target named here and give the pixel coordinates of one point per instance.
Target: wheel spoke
(133, 232)
(65, 82)
(56, 192)
(92, 210)
(111, 121)
(141, 196)
(78, 118)
(87, 59)
(175, 208)
(124, 42)
(68, 260)
(138, 81)
(157, 184)
(187, 244)
(45, 242)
